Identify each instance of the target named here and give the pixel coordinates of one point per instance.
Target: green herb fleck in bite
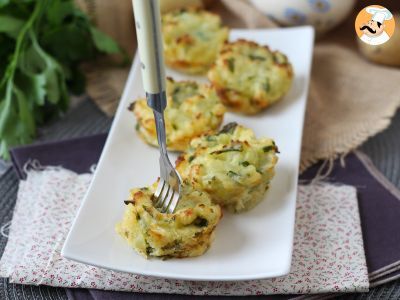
(149, 250)
(235, 148)
(200, 222)
(233, 175)
(245, 163)
(228, 128)
(175, 97)
(256, 57)
(266, 86)
(268, 148)
(231, 64)
(210, 138)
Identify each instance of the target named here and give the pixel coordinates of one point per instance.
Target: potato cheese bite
(250, 77)
(233, 167)
(192, 109)
(192, 39)
(188, 232)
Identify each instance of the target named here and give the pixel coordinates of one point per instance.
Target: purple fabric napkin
(379, 204)
(77, 154)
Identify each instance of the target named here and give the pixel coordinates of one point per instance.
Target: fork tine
(174, 203)
(163, 195)
(157, 195)
(167, 201)
(160, 186)
(158, 200)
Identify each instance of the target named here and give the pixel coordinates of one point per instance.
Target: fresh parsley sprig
(42, 43)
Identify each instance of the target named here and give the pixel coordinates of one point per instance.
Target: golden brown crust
(192, 39)
(249, 77)
(192, 110)
(233, 166)
(187, 232)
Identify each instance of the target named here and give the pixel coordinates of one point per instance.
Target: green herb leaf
(176, 245)
(266, 85)
(38, 88)
(245, 163)
(25, 114)
(5, 109)
(10, 25)
(229, 128)
(202, 35)
(256, 57)
(42, 44)
(103, 42)
(280, 58)
(4, 3)
(149, 250)
(210, 138)
(236, 148)
(69, 43)
(57, 11)
(235, 176)
(268, 148)
(175, 97)
(231, 64)
(200, 222)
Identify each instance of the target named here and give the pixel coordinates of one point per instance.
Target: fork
(148, 31)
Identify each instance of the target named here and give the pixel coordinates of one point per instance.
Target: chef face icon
(372, 28)
(371, 25)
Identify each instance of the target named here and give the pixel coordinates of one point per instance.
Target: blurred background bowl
(322, 14)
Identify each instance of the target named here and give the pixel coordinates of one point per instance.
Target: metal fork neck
(161, 135)
(158, 101)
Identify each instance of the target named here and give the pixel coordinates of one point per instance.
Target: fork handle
(148, 31)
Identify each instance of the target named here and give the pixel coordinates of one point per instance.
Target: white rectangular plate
(252, 245)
